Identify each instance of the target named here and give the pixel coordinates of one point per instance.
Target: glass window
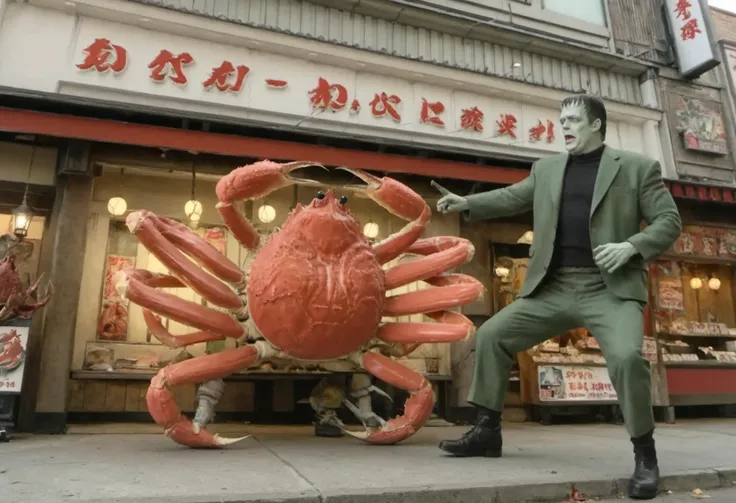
(590, 11)
(120, 321)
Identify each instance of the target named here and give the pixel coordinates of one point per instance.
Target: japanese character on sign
(472, 118)
(220, 76)
(326, 95)
(103, 55)
(355, 107)
(689, 30)
(167, 64)
(276, 83)
(536, 132)
(431, 112)
(682, 9)
(507, 125)
(383, 104)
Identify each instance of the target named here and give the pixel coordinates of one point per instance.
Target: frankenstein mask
(581, 134)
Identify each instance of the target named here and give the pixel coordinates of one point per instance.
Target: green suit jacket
(628, 189)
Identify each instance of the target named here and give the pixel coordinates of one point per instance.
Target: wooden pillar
(31, 374)
(68, 249)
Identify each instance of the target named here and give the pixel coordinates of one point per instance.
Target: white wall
(60, 45)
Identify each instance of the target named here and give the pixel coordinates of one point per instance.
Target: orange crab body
(316, 290)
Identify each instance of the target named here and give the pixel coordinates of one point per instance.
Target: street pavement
(717, 496)
(136, 464)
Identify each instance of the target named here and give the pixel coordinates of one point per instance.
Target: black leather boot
(484, 439)
(644, 483)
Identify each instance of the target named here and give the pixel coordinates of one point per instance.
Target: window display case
(693, 291)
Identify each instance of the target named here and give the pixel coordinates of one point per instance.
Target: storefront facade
(199, 82)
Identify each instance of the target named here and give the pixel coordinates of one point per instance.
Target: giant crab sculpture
(16, 301)
(315, 292)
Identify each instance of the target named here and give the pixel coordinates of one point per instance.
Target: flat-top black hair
(594, 108)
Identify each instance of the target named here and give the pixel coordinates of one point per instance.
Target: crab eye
(343, 200)
(320, 195)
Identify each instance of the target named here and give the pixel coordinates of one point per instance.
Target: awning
(126, 133)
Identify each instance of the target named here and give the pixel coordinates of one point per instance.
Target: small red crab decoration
(11, 351)
(16, 302)
(315, 292)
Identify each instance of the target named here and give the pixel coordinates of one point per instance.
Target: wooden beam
(125, 133)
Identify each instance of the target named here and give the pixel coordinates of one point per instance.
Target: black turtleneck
(572, 244)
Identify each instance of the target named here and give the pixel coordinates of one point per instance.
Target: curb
(555, 492)
(535, 493)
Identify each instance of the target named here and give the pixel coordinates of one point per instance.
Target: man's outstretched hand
(612, 256)
(449, 202)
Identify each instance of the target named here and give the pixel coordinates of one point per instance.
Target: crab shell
(316, 290)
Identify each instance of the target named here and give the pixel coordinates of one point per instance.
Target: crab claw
(260, 179)
(417, 409)
(162, 405)
(252, 182)
(400, 201)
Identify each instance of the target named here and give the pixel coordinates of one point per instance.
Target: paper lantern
(266, 213)
(117, 206)
(370, 230)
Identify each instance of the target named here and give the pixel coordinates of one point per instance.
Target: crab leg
(401, 201)
(199, 249)
(441, 253)
(176, 341)
(166, 412)
(253, 182)
(131, 283)
(450, 327)
(453, 290)
(17, 304)
(159, 237)
(417, 409)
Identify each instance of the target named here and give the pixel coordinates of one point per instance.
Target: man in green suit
(586, 269)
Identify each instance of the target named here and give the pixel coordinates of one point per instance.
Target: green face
(581, 136)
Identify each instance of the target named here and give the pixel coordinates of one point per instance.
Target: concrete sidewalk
(134, 463)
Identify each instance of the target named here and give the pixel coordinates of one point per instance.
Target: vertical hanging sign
(694, 46)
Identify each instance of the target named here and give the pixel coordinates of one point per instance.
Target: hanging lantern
(266, 213)
(117, 206)
(714, 283)
(696, 283)
(22, 216)
(370, 230)
(193, 210)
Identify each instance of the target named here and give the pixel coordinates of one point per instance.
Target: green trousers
(571, 298)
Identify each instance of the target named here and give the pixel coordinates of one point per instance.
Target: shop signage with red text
(110, 56)
(575, 383)
(694, 47)
(13, 341)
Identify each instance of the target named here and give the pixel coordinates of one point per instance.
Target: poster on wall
(579, 383)
(216, 237)
(702, 125)
(669, 287)
(13, 343)
(113, 324)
